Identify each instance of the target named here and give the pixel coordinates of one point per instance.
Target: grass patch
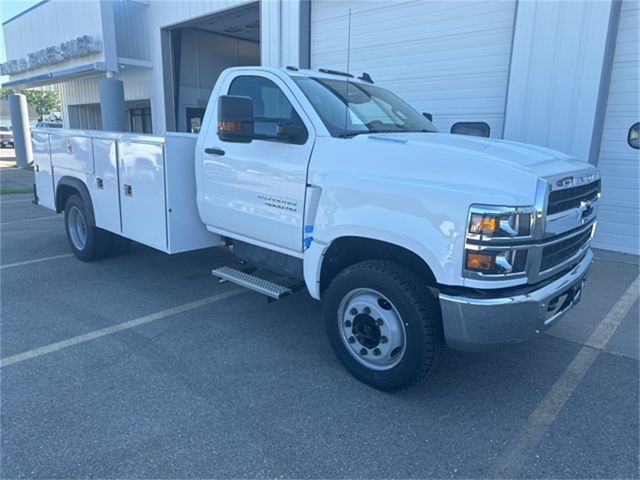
(14, 190)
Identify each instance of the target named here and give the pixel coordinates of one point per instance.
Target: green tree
(42, 101)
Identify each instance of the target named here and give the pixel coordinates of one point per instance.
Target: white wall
(556, 74)
(133, 30)
(50, 24)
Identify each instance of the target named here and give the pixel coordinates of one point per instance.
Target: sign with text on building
(78, 47)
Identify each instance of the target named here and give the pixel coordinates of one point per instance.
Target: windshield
(369, 109)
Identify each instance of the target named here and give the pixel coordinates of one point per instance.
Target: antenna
(346, 100)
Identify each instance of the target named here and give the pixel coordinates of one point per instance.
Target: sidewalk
(15, 180)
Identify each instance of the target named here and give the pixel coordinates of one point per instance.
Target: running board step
(257, 284)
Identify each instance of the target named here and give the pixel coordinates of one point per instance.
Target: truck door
(256, 191)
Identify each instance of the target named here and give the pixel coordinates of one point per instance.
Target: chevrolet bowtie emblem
(584, 210)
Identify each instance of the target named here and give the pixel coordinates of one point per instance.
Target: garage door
(619, 162)
(447, 58)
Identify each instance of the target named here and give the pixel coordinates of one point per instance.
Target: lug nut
(379, 322)
(352, 340)
(366, 310)
(353, 311)
(376, 352)
(363, 351)
(347, 323)
(383, 339)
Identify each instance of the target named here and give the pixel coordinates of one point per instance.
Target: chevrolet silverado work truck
(412, 238)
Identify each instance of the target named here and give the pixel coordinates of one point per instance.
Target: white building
(560, 74)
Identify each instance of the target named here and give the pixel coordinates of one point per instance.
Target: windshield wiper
(351, 134)
(347, 134)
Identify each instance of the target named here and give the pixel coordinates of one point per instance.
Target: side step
(257, 284)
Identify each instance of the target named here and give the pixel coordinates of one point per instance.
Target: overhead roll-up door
(450, 59)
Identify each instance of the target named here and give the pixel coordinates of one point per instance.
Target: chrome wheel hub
(77, 228)
(371, 329)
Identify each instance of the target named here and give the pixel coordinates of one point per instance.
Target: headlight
(496, 262)
(487, 222)
(494, 241)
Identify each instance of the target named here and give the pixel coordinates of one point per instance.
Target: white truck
(413, 239)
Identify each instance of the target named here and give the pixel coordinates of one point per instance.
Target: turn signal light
(225, 126)
(480, 261)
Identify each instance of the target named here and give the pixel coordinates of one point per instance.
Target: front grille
(557, 253)
(561, 200)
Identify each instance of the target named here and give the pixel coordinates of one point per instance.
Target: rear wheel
(383, 324)
(87, 241)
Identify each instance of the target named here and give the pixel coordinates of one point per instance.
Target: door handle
(214, 151)
(128, 191)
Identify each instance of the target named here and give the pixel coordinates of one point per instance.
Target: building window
(140, 120)
(475, 129)
(633, 137)
(85, 117)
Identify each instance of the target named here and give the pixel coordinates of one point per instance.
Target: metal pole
(112, 104)
(21, 133)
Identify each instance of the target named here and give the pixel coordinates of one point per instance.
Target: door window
(271, 108)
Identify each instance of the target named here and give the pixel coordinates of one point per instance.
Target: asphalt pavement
(144, 366)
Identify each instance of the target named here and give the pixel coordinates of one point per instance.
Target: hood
(494, 172)
(492, 153)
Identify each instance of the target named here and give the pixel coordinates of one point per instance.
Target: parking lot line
(54, 347)
(24, 200)
(512, 460)
(25, 220)
(36, 260)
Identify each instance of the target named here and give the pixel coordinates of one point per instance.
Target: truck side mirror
(235, 119)
(428, 116)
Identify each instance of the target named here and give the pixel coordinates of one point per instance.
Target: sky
(8, 9)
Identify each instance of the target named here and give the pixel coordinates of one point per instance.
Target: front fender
(435, 237)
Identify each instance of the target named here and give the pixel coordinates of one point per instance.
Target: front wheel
(87, 241)
(383, 323)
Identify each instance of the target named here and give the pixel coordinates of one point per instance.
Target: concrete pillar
(21, 133)
(112, 105)
(558, 79)
(284, 33)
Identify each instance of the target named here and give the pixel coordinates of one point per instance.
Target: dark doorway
(194, 119)
(197, 51)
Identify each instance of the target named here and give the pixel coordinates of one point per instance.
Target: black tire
(96, 241)
(416, 307)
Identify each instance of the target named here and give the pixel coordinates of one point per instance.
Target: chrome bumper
(475, 323)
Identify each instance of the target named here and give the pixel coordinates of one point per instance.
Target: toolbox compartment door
(103, 186)
(142, 192)
(42, 170)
